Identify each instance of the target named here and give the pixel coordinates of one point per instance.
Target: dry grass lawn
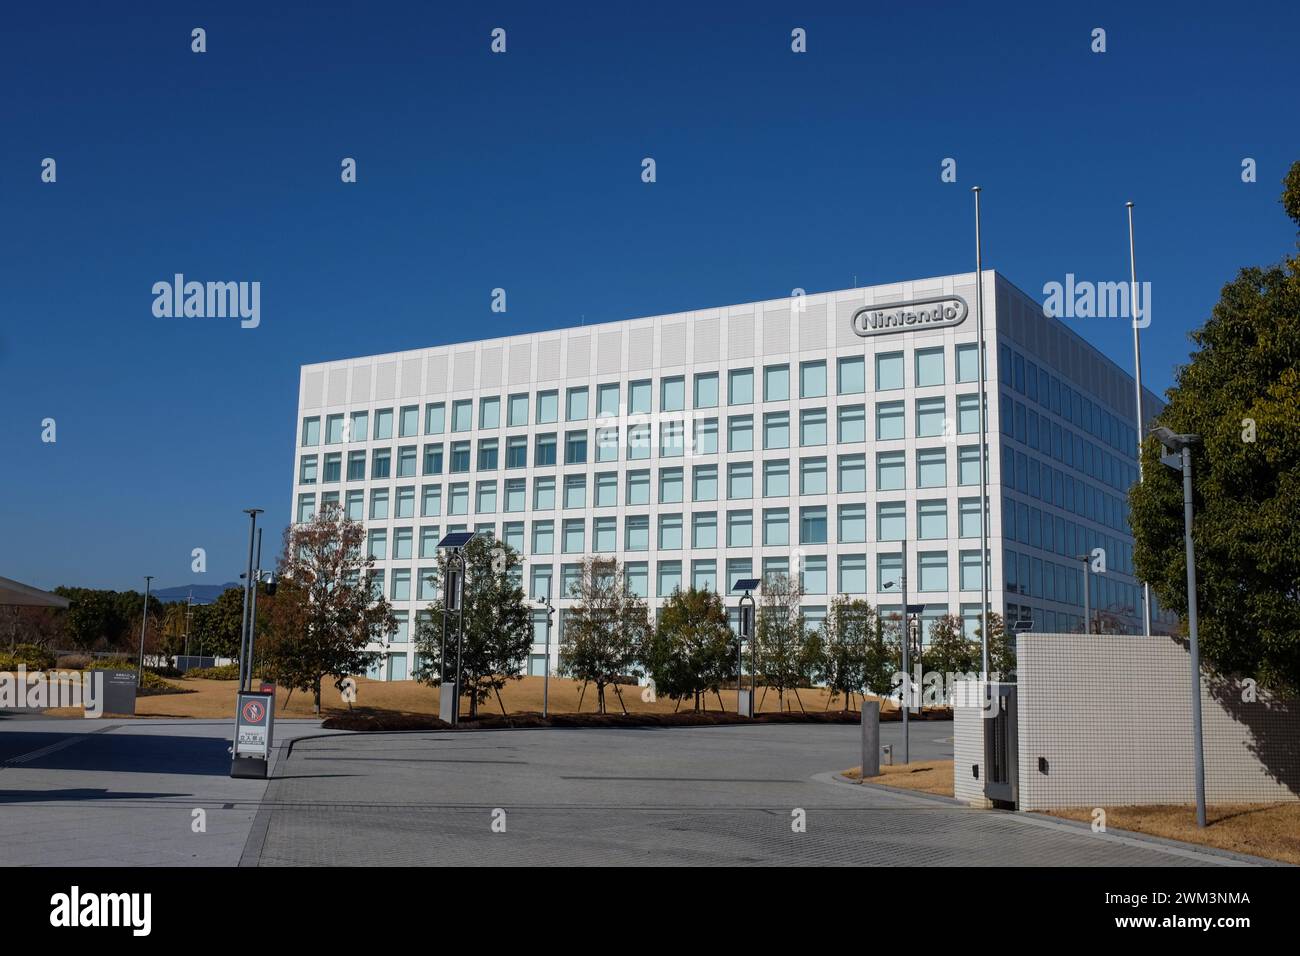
(1269, 830)
(216, 699)
(927, 776)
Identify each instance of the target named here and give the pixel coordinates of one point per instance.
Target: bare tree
(605, 631)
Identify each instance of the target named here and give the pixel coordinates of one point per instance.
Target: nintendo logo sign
(924, 313)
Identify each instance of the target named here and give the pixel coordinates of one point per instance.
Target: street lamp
(906, 640)
(1087, 598)
(248, 585)
(545, 601)
(454, 600)
(1180, 457)
(745, 705)
(144, 620)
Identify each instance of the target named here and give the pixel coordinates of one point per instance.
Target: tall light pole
(248, 583)
(1087, 598)
(745, 707)
(545, 601)
(984, 478)
(252, 610)
(1181, 448)
(1137, 389)
(906, 640)
(144, 620)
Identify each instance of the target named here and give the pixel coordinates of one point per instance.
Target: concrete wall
(968, 744)
(1111, 716)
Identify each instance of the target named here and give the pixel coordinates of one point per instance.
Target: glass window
(460, 457)
(378, 544)
(706, 390)
(740, 529)
(967, 367)
(433, 459)
(383, 424)
(776, 526)
(462, 415)
(604, 535)
(852, 473)
(306, 508)
(575, 448)
(706, 436)
(489, 412)
(776, 383)
(406, 502)
(740, 433)
(672, 439)
(408, 423)
(889, 573)
(517, 410)
(543, 537)
(814, 574)
(776, 430)
(931, 468)
(670, 577)
(740, 386)
(431, 500)
(574, 537)
(812, 525)
(853, 524)
(430, 535)
(932, 519)
(607, 401)
(378, 504)
(638, 398)
(740, 480)
(968, 414)
(356, 466)
(670, 532)
(889, 371)
(544, 451)
(576, 410)
(929, 417)
(889, 421)
(968, 465)
(311, 431)
(606, 490)
(852, 423)
(406, 461)
(607, 443)
(516, 494)
(517, 451)
(705, 480)
(929, 367)
(812, 476)
(381, 463)
(548, 407)
(575, 491)
(307, 470)
(812, 426)
(933, 570)
(891, 521)
(638, 442)
(853, 574)
(852, 375)
(704, 530)
(812, 379)
(968, 521)
(543, 494)
(671, 483)
(970, 572)
(458, 498)
(403, 540)
(776, 478)
(334, 429)
(435, 418)
(891, 471)
(672, 394)
(356, 505)
(636, 575)
(638, 488)
(637, 533)
(704, 575)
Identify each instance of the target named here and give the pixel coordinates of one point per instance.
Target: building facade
(809, 435)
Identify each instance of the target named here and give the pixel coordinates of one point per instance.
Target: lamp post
(248, 583)
(1087, 598)
(144, 620)
(745, 708)
(545, 601)
(906, 640)
(1180, 457)
(454, 600)
(983, 423)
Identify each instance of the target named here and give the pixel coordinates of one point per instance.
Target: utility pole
(144, 621)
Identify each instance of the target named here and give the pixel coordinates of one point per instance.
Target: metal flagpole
(984, 478)
(907, 664)
(1137, 389)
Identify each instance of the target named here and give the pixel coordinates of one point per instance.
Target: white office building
(807, 435)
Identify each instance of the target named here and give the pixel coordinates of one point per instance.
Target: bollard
(870, 738)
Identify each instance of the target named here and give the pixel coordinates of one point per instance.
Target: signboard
(922, 314)
(119, 692)
(254, 718)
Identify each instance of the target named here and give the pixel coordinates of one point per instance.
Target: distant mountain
(203, 593)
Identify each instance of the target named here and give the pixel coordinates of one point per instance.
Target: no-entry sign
(253, 724)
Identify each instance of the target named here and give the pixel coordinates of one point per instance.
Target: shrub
(222, 672)
(73, 662)
(151, 685)
(29, 655)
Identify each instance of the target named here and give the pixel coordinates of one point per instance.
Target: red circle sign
(254, 711)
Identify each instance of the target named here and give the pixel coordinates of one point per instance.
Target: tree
(324, 616)
(1002, 649)
(94, 617)
(842, 649)
(215, 628)
(950, 651)
(605, 632)
(692, 649)
(498, 625)
(1241, 394)
(785, 655)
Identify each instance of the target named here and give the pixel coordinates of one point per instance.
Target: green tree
(1241, 393)
(842, 649)
(215, 628)
(1002, 649)
(692, 649)
(786, 657)
(498, 625)
(94, 619)
(324, 615)
(949, 650)
(605, 631)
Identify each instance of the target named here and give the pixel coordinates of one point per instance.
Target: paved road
(125, 792)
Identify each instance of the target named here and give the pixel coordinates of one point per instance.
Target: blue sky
(522, 170)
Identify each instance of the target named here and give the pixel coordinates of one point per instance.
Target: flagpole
(984, 478)
(1137, 389)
